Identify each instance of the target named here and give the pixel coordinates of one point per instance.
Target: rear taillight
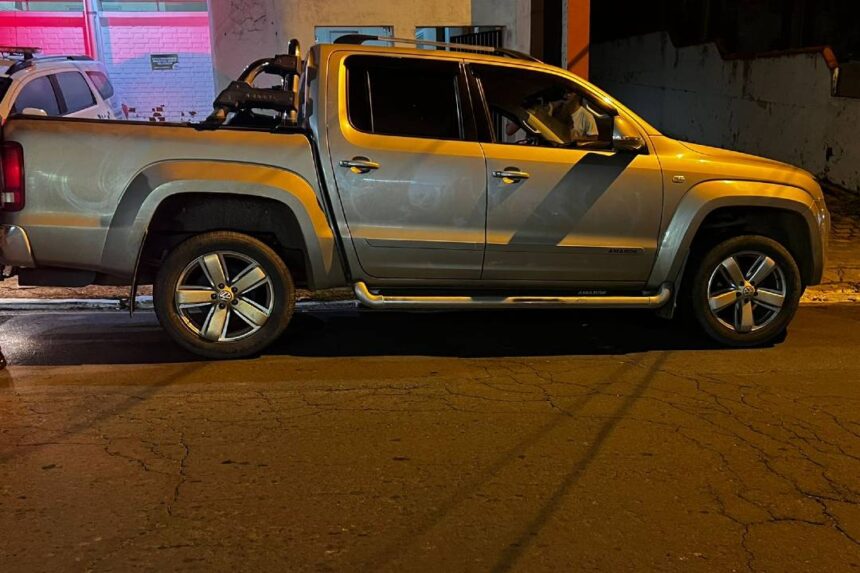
(11, 176)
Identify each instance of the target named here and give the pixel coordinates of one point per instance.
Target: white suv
(67, 86)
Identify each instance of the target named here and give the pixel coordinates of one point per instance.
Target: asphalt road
(431, 442)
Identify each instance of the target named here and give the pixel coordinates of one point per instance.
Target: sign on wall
(163, 61)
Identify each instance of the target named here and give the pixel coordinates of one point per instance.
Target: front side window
(528, 107)
(75, 91)
(39, 94)
(406, 97)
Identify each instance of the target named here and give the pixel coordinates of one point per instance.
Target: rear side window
(75, 91)
(4, 86)
(408, 97)
(102, 84)
(38, 93)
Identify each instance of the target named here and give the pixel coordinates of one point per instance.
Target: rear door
(409, 172)
(75, 95)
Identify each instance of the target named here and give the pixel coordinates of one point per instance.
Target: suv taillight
(11, 176)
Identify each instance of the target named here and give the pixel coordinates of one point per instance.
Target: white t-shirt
(582, 124)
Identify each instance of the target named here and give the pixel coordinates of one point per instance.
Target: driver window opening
(539, 109)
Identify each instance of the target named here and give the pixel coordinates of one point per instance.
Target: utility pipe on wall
(90, 23)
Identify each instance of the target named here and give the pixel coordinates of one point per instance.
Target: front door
(563, 206)
(410, 173)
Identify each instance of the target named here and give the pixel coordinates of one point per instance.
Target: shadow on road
(108, 338)
(484, 334)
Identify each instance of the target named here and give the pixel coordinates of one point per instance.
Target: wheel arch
(182, 197)
(182, 215)
(718, 209)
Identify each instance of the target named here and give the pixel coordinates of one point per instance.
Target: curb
(144, 303)
(834, 294)
(37, 304)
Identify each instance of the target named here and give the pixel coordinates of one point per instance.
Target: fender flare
(156, 182)
(704, 198)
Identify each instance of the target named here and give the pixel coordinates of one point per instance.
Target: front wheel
(746, 291)
(224, 295)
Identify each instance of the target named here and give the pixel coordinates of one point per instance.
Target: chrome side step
(379, 301)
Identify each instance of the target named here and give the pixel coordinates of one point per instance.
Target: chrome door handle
(511, 174)
(359, 164)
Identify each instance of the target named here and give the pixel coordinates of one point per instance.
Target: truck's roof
(326, 49)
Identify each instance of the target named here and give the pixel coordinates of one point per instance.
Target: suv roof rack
(358, 39)
(27, 52)
(29, 59)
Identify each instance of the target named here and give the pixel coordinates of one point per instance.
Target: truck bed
(91, 180)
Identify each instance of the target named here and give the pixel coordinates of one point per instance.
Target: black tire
(239, 337)
(727, 326)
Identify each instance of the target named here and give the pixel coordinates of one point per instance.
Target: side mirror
(34, 111)
(631, 144)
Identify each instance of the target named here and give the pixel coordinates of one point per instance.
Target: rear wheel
(224, 295)
(746, 291)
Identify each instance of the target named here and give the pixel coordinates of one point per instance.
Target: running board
(380, 301)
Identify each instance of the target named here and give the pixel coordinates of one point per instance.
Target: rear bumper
(15, 250)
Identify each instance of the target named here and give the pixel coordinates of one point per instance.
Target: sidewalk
(843, 263)
(842, 273)
(841, 276)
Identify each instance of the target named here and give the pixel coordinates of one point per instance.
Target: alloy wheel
(747, 291)
(224, 296)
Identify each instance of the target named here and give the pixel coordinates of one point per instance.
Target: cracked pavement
(426, 442)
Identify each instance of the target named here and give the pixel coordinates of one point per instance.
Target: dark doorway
(547, 26)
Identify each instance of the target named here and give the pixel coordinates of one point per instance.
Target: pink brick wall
(182, 94)
(127, 41)
(55, 33)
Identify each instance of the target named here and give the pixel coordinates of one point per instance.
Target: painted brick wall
(55, 33)
(182, 94)
(127, 41)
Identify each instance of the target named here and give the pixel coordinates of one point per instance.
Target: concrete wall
(243, 30)
(778, 107)
(514, 15)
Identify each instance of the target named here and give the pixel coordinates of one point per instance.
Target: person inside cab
(583, 126)
(561, 120)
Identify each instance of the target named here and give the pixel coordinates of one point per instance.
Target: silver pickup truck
(463, 178)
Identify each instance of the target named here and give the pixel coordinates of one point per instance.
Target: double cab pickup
(459, 178)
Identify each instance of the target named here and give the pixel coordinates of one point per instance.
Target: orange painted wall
(578, 36)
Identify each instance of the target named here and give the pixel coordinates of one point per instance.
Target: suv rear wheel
(746, 291)
(224, 295)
